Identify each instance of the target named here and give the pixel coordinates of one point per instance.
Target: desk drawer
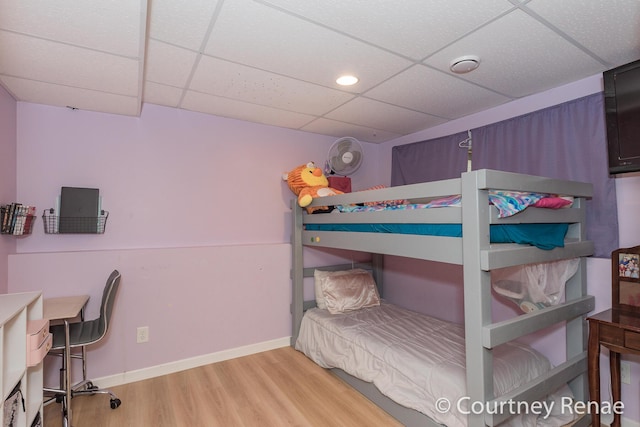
(36, 355)
(611, 335)
(37, 332)
(632, 340)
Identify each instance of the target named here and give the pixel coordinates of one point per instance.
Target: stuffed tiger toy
(308, 182)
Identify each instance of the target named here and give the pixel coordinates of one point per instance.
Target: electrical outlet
(625, 372)
(143, 334)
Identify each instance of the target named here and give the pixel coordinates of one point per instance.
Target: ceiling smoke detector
(464, 64)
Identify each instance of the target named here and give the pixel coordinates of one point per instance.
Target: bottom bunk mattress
(416, 359)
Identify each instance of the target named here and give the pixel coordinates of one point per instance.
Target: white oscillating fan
(345, 157)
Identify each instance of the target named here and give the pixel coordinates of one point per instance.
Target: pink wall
(7, 175)
(196, 301)
(198, 225)
(168, 178)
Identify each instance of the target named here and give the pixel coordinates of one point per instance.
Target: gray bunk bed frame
(478, 257)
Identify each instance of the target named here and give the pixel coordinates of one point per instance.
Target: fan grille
(345, 156)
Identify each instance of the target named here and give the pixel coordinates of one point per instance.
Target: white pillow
(345, 290)
(321, 277)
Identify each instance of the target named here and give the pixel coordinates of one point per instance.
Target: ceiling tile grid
(275, 61)
(249, 33)
(57, 63)
(339, 129)
(434, 92)
(263, 88)
(614, 25)
(111, 27)
(64, 96)
(516, 57)
(184, 23)
(168, 64)
(383, 116)
(411, 28)
(226, 107)
(160, 94)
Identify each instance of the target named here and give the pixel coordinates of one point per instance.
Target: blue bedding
(543, 236)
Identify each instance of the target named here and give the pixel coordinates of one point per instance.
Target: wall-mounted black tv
(622, 116)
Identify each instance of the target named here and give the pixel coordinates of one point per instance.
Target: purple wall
(7, 175)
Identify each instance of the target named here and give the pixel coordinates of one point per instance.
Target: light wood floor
(281, 387)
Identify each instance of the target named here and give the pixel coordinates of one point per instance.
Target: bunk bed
(478, 256)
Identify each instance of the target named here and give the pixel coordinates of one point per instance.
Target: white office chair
(79, 335)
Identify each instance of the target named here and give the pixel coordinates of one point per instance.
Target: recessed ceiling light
(347, 80)
(464, 64)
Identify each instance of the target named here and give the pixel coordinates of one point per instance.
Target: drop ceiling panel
(231, 108)
(169, 96)
(338, 129)
(383, 116)
(434, 92)
(169, 65)
(250, 33)
(181, 22)
(516, 59)
(64, 96)
(230, 80)
(406, 27)
(615, 25)
(46, 61)
(276, 61)
(108, 26)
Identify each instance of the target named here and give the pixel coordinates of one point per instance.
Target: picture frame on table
(625, 271)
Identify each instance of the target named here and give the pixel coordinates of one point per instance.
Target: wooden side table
(619, 331)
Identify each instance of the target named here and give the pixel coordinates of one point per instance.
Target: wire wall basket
(20, 226)
(54, 224)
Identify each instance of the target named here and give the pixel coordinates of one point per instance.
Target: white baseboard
(194, 362)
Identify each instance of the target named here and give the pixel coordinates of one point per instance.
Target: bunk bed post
(576, 287)
(477, 292)
(297, 272)
(376, 270)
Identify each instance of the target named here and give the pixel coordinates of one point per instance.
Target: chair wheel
(89, 385)
(115, 403)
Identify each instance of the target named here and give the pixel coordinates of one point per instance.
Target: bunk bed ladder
(482, 335)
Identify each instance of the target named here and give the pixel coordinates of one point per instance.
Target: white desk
(65, 309)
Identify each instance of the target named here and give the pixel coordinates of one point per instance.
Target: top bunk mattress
(508, 203)
(542, 236)
(511, 218)
(416, 359)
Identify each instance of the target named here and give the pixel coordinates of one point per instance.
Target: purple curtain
(566, 141)
(432, 160)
